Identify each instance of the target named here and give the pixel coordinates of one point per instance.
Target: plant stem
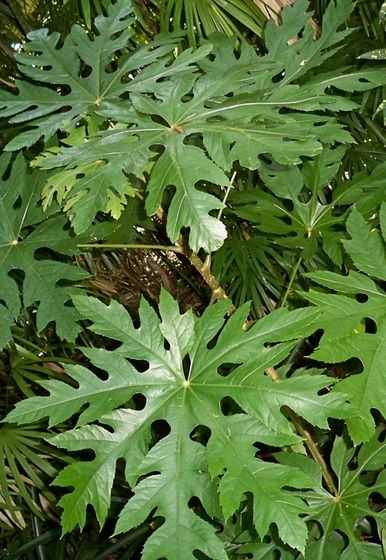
(314, 451)
(298, 422)
(208, 260)
(135, 246)
(228, 190)
(291, 281)
(310, 443)
(201, 267)
(218, 291)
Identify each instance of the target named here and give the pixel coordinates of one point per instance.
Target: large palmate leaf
(182, 121)
(344, 318)
(23, 238)
(188, 368)
(364, 190)
(295, 213)
(360, 475)
(49, 109)
(308, 52)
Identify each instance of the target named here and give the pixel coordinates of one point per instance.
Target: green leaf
(306, 53)
(50, 109)
(358, 477)
(263, 551)
(231, 450)
(309, 222)
(363, 388)
(23, 235)
(185, 382)
(182, 121)
(366, 247)
(97, 183)
(342, 318)
(365, 190)
(183, 167)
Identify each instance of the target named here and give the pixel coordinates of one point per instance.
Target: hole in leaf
(160, 120)
(353, 366)
(264, 452)
(106, 427)
(278, 77)
(376, 501)
(137, 402)
(100, 373)
(212, 342)
(324, 390)
(316, 527)
(7, 173)
(366, 528)
(85, 455)
(226, 369)
(288, 205)
(361, 298)
(17, 275)
(111, 68)
(140, 365)
(45, 253)
(85, 70)
(160, 429)
(200, 434)
(216, 119)
(343, 537)
(17, 203)
(287, 220)
(186, 363)
(166, 344)
(194, 503)
(229, 407)
(370, 325)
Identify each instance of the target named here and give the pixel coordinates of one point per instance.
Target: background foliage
(192, 262)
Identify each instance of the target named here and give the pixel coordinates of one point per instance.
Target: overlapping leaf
(185, 383)
(344, 319)
(297, 214)
(359, 476)
(184, 119)
(78, 93)
(23, 233)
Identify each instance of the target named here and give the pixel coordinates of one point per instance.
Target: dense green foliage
(238, 411)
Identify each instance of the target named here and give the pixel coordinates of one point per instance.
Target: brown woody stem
(217, 291)
(136, 246)
(310, 443)
(314, 451)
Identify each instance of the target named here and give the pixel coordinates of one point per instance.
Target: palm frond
(24, 470)
(202, 18)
